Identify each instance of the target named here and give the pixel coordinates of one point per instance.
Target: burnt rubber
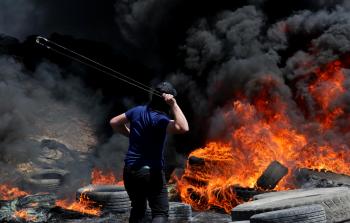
(308, 178)
(303, 214)
(246, 194)
(272, 175)
(104, 192)
(196, 161)
(336, 202)
(112, 198)
(45, 180)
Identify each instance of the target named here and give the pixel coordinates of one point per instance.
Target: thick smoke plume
(236, 52)
(214, 55)
(45, 104)
(82, 19)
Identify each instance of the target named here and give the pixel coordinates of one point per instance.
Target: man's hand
(169, 99)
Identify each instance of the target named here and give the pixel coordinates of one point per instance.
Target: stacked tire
(178, 212)
(303, 214)
(299, 206)
(111, 198)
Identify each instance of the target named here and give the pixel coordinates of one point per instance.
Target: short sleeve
(130, 113)
(163, 122)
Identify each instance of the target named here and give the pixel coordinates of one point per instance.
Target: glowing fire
(8, 192)
(23, 214)
(84, 205)
(266, 130)
(327, 87)
(98, 177)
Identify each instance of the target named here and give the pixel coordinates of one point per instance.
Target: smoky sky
(209, 50)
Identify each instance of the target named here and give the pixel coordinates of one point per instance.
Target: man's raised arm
(179, 124)
(118, 124)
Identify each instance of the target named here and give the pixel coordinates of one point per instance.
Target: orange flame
(84, 205)
(8, 192)
(98, 177)
(23, 214)
(327, 87)
(266, 132)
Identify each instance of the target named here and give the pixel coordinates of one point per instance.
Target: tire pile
(111, 198)
(321, 205)
(178, 213)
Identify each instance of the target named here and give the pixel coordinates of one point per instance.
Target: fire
(24, 214)
(327, 87)
(98, 177)
(266, 130)
(84, 205)
(8, 192)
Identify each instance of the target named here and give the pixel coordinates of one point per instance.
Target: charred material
(272, 175)
(308, 178)
(30, 208)
(196, 161)
(246, 193)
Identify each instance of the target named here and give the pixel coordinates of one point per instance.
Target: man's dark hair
(158, 103)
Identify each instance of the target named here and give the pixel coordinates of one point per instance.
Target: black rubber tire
(246, 194)
(272, 175)
(336, 202)
(104, 193)
(45, 180)
(112, 198)
(302, 214)
(196, 161)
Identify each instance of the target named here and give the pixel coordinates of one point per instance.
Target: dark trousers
(143, 184)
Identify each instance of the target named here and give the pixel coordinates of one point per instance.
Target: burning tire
(303, 214)
(112, 198)
(246, 193)
(178, 212)
(46, 180)
(272, 175)
(336, 202)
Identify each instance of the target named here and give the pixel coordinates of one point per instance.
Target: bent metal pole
(51, 45)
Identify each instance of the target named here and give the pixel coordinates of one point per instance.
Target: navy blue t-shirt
(147, 137)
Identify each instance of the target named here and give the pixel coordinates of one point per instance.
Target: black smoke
(211, 51)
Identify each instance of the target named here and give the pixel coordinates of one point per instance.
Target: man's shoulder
(160, 116)
(134, 111)
(138, 108)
